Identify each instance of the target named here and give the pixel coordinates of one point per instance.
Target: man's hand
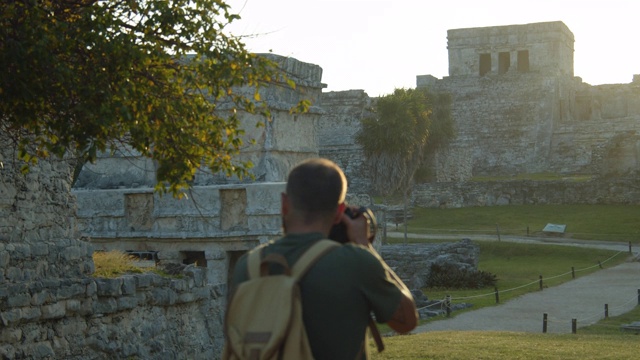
(357, 229)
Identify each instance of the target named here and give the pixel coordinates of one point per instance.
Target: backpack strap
(253, 261)
(311, 256)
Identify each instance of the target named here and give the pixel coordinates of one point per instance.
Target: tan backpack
(264, 315)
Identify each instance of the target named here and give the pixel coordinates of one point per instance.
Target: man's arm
(405, 318)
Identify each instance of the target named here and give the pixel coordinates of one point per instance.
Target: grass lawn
(591, 222)
(517, 265)
(450, 345)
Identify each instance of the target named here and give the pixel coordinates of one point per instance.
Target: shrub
(113, 263)
(451, 276)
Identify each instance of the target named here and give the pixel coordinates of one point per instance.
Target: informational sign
(555, 228)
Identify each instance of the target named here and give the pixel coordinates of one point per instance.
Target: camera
(339, 231)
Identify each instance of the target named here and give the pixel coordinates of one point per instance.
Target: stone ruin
(517, 107)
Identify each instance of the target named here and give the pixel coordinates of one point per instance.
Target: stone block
(10, 317)
(19, 300)
(41, 350)
(128, 285)
(53, 311)
(179, 285)
(99, 203)
(139, 211)
(127, 302)
(109, 287)
(10, 336)
(263, 199)
(144, 281)
(73, 305)
(14, 274)
(163, 297)
(72, 290)
(105, 306)
(5, 258)
(186, 297)
(92, 288)
(31, 313)
(7, 351)
(201, 201)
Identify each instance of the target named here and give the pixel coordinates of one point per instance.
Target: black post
(497, 296)
(630, 252)
(606, 311)
(600, 264)
(574, 326)
(573, 272)
(540, 282)
(638, 296)
(544, 323)
(447, 303)
(498, 231)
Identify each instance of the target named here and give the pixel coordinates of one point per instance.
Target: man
(349, 282)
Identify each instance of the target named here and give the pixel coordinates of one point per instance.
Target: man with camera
(348, 283)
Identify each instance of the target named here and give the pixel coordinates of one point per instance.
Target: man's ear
(339, 212)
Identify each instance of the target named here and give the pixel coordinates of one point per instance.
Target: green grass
(519, 264)
(450, 345)
(590, 222)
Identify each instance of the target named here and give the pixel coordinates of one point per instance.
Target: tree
(84, 76)
(405, 125)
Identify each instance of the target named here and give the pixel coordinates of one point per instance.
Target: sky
(378, 46)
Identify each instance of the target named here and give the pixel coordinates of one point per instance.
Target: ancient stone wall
(135, 316)
(52, 307)
(527, 192)
(337, 130)
(412, 262)
(213, 225)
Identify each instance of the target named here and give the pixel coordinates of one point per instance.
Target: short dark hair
(316, 187)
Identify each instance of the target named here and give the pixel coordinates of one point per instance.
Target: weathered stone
(53, 311)
(31, 313)
(127, 302)
(128, 285)
(105, 306)
(19, 300)
(109, 287)
(69, 291)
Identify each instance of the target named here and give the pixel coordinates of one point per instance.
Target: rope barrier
(534, 282)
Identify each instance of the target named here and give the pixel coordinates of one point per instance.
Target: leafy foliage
(450, 276)
(406, 124)
(152, 76)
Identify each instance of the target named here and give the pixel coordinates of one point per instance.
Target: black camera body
(339, 231)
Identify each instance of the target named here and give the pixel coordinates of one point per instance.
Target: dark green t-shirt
(338, 293)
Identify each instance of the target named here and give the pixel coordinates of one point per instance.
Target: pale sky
(381, 45)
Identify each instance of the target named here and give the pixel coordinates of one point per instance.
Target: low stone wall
(412, 262)
(52, 308)
(135, 316)
(624, 191)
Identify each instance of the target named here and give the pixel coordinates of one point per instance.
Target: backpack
(264, 315)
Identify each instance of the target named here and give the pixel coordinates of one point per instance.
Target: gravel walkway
(582, 299)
